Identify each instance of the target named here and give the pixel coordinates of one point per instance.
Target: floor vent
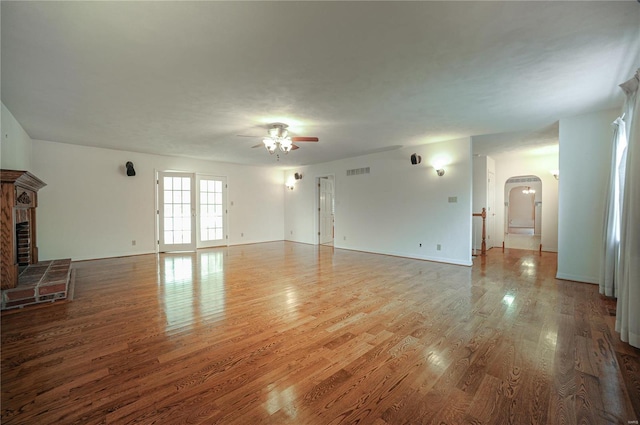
(358, 171)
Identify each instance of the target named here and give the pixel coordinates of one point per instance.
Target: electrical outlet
(133, 242)
(292, 232)
(344, 238)
(438, 247)
(242, 235)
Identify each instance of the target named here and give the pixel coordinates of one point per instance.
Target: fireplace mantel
(19, 199)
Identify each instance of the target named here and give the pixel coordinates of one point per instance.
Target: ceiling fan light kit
(278, 139)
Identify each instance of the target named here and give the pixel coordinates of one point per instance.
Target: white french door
(212, 210)
(176, 212)
(192, 211)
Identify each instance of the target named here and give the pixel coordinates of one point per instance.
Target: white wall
(394, 208)
(537, 162)
(91, 209)
(585, 152)
(15, 143)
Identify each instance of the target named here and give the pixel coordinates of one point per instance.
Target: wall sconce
(292, 180)
(439, 162)
(130, 171)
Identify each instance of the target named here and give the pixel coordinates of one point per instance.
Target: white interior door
(491, 214)
(212, 211)
(326, 210)
(176, 212)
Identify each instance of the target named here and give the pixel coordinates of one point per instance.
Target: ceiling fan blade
(304, 139)
(294, 147)
(246, 135)
(258, 146)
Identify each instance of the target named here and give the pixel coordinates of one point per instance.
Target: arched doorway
(523, 212)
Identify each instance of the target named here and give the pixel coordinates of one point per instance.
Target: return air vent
(532, 179)
(358, 171)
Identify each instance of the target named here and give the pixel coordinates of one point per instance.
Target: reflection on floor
(519, 241)
(191, 285)
(288, 333)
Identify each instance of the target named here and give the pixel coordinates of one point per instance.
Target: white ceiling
(185, 78)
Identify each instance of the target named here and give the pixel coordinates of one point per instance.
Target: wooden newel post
(484, 232)
(483, 214)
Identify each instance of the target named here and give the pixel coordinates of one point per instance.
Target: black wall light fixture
(416, 159)
(130, 171)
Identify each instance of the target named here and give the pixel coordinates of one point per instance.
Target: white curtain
(610, 271)
(628, 306)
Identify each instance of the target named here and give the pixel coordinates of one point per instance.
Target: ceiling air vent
(358, 171)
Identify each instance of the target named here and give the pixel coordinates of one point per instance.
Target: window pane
(219, 198)
(219, 234)
(218, 186)
(186, 197)
(168, 237)
(176, 183)
(168, 224)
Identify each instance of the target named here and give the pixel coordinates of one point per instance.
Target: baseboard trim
(575, 278)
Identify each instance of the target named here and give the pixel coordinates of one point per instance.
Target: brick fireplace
(23, 279)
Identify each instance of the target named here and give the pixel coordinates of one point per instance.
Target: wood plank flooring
(286, 333)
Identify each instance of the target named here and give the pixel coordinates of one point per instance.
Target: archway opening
(523, 212)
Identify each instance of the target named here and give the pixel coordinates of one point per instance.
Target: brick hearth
(45, 281)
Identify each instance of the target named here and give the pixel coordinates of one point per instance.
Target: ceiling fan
(278, 138)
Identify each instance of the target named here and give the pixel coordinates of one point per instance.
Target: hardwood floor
(285, 333)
